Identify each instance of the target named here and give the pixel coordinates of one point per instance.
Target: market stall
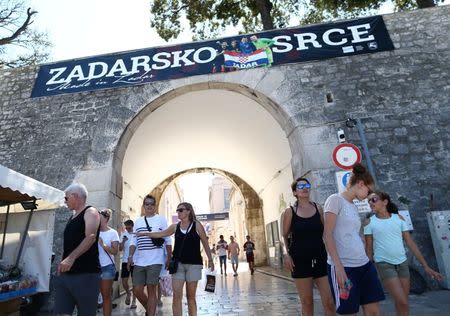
(27, 214)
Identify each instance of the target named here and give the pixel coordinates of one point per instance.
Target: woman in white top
(353, 278)
(108, 246)
(385, 233)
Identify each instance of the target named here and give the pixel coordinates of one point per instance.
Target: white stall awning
(16, 187)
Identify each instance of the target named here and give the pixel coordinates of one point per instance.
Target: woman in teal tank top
(385, 233)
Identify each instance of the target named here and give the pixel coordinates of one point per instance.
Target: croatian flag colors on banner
(241, 60)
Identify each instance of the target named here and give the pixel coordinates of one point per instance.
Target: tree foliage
(209, 18)
(20, 45)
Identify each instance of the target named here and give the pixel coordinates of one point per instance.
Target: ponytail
(360, 173)
(391, 207)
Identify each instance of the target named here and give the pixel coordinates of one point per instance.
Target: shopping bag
(210, 281)
(165, 283)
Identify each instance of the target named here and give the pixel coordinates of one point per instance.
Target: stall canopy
(16, 188)
(27, 239)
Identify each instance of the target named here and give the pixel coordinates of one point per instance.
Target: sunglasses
(374, 199)
(179, 210)
(104, 214)
(302, 186)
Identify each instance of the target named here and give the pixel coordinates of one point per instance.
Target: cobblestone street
(264, 294)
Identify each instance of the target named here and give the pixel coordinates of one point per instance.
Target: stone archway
(254, 217)
(263, 188)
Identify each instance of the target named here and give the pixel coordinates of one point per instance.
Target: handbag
(173, 263)
(158, 242)
(166, 285)
(173, 266)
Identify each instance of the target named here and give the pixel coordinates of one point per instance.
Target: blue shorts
(223, 259)
(366, 288)
(108, 272)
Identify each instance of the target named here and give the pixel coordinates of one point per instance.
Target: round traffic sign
(346, 155)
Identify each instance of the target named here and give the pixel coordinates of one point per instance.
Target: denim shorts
(234, 259)
(108, 272)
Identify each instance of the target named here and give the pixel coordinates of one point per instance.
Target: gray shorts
(188, 272)
(80, 290)
(386, 270)
(234, 259)
(146, 275)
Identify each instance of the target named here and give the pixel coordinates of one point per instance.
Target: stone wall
(402, 98)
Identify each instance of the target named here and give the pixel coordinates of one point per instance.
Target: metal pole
(24, 237)
(362, 136)
(4, 231)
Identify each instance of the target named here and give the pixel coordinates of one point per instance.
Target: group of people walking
(321, 246)
(324, 247)
(87, 267)
(232, 250)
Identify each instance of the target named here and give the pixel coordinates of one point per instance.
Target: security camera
(341, 135)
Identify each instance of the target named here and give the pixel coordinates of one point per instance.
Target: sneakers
(235, 274)
(133, 306)
(127, 299)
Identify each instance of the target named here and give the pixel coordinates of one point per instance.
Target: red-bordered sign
(346, 155)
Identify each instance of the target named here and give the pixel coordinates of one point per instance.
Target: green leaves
(210, 18)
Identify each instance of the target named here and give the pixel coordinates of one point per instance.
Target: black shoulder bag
(173, 264)
(158, 242)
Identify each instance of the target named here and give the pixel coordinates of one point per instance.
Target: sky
(93, 27)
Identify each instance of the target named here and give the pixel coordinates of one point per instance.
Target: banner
(213, 216)
(266, 49)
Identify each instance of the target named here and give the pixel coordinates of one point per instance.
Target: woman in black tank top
(188, 235)
(304, 253)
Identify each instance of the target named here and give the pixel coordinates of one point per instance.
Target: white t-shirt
(126, 245)
(108, 237)
(222, 248)
(349, 244)
(146, 252)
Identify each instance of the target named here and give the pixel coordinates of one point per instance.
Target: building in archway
(262, 126)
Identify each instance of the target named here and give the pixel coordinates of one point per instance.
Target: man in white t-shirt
(125, 240)
(147, 255)
(222, 248)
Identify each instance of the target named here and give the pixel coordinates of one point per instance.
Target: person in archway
(385, 233)
(147, 255)
(352, 276)
(306, 257)
(188, 234)
(124, 246)
(233, 254)
(249, 248)
(108, 247)
(222, 248)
